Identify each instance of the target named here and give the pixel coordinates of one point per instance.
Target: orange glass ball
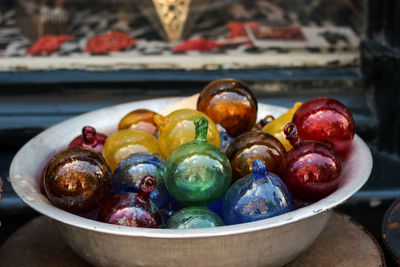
(251, 146)
(229, 103)
(139, 119)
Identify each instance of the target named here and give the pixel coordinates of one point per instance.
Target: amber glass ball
(229, 103)
(139, 119)
(77, 179)
(256, 145)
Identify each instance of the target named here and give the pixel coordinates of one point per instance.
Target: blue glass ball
(130, 171)
(256, 196)
(217, 206)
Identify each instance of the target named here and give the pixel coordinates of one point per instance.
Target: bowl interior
(28, 164)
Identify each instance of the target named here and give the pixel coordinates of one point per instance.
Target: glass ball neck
(146, 187)
(201, 129)
(259, 170)
(89, 135)
(292, 135)
(162, 122)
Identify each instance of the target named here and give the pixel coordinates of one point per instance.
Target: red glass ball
(90, 139)
(251, 146)
(311, 170)
(131, 209)
(229, 103)
(326, 120)
(77, 179)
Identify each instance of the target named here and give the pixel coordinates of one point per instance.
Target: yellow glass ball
(276, 126)
(125, 142)
(177, 128)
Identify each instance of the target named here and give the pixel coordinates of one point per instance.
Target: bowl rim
(360, 165)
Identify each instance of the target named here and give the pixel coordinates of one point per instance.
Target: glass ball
(77, 179)
(132, 209)
(90, 139)
(311, 169)
(256, 196)
(229, 103)
(139, 119)
(197, 173)
(130, 171)
(194, 218)
(125, 142)
(326, 120)
(177, 129)
(256, 145)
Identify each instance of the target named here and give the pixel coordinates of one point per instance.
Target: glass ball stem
(146, 187)
(259, 170)
(201, 125)
(292, 135)
(161, 121)
(89, 135)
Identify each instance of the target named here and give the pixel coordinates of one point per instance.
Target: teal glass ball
(194, 218)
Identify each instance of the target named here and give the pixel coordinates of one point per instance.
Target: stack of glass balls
(207, 167)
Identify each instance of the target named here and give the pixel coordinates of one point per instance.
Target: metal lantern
(173, 19)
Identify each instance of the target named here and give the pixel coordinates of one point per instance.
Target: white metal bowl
(269, 242)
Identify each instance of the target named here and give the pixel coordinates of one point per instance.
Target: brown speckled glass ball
(77, 179)
(229, 103)
(139, 119)
(256, 145)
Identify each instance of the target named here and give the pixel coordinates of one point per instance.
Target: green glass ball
(194, 218)
(197, 173)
